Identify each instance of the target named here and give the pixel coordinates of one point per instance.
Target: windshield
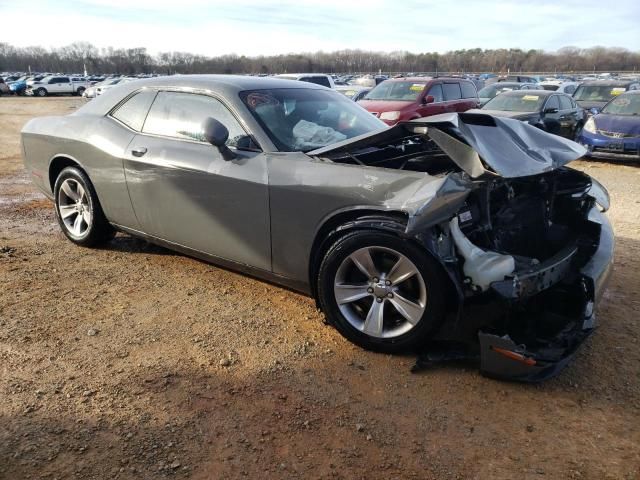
(398, 91)
(303, 119)
(515, 103)
(493, 90)
(623, 105)
(597, 93)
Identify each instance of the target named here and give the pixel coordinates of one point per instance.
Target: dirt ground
(135, 362)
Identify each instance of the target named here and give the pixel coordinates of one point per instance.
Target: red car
(401, 99)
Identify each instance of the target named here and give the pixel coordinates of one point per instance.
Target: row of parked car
(603, 115)
(42, 85)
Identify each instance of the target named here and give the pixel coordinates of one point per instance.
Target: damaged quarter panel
(306, 192)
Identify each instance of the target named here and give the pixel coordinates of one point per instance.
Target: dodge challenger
(457, 226)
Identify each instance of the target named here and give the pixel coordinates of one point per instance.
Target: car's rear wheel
(380, 291)
(41, 92)
(78, 210)
(80, 91)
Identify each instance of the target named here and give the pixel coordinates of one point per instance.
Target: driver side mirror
(429, 99)
(217, 135)
(594, 111)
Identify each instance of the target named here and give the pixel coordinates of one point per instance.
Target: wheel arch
(389, 221)
(59, 163)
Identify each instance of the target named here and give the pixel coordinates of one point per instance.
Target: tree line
(130, 61)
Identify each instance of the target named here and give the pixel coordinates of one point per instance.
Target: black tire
(80, 91)
(41, 92)
(98, 230)
(430, 272)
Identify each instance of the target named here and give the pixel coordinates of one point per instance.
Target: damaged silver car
(457, 227)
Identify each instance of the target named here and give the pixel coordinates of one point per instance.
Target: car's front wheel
(78, 210)
(381, 292)
(41, 92)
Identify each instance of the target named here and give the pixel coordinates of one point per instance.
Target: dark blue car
(615, 132)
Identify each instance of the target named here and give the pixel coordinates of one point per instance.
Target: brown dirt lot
(135, 362)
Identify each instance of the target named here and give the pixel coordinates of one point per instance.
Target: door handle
(139, 151)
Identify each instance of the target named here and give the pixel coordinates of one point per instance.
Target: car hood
(629, 124)
(383, 105)
(478, 143)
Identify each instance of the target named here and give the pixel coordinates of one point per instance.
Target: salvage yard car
(594, 95)
(489, 92)
(462, 226)
(400, 99)
(614, 133)
(56, 85)
(552, 112)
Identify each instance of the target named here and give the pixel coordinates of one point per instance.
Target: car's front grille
(618, 134)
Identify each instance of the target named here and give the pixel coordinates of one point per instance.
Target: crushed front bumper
(564, 319)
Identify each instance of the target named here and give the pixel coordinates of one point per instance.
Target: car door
(551, 115)
(452, 96)
(60, 85)
(184, 191)
(437, 106)
(569, 116)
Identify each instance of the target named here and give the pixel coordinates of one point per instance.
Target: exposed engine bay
(519, 246)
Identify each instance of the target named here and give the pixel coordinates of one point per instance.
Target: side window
(133, 112)
(451, 91)
(63, 79)
(53, 80)
(569, 89)
(553, 102)
(181, 115)
(468, 90)
(436, 93)
(565, 103)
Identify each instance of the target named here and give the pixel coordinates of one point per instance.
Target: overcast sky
(252, 27)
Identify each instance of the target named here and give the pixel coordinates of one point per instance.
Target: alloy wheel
(74, 207)
(380, 292)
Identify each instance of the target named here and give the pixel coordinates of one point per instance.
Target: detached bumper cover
(501, 357)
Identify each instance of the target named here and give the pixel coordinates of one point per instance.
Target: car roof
(225, 85)
(295, 75)
(609, 83)
(540, 93)
(507, 84)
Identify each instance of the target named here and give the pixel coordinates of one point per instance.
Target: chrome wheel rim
(380, 292)
(74, 207)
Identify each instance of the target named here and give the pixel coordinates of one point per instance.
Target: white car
(99, 88)
(54, 85)
(560, 86)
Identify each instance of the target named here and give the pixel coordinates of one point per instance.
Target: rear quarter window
(468, 90)
(565, 103)
(451, 91)
(134, 111)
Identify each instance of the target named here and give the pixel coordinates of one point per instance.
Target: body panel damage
(520, 233)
